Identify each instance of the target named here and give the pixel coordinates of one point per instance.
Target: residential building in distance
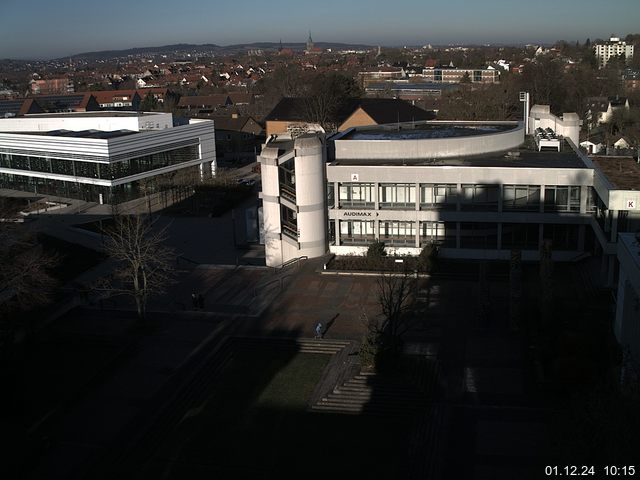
(52, 86)
(613, 48)
(631, 79)
(600, 109)
(102, 157)
(118, 99)
(238, 139)
(292, 112)
(477, 189)
(458, 75)
(71, 102)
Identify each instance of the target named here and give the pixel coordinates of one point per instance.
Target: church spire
(309, 42)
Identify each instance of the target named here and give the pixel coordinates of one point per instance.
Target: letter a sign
(631, 204)
(355, 177)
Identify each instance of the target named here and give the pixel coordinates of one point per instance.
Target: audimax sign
(360, 214)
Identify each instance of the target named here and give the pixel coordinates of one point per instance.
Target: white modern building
(478, 189)
(105, 157)
(613, 48)
(457, 75)
(627, 325)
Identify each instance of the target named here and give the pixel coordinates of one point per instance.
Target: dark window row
(102, 171)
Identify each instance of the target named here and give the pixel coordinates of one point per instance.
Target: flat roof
(92, 114)
(521, 158)
(425, 131)
(622, 172)
(97, 134)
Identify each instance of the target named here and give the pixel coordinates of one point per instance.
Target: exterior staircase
(301, 345)
(372, 394)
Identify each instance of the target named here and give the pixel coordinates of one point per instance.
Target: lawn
(255, 423)
(73, 259)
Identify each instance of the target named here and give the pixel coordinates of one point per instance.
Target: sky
(43, 29)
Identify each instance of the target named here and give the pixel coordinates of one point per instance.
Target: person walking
(194, 300)
(319, 330)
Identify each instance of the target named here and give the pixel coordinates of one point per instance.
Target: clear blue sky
(54, 28)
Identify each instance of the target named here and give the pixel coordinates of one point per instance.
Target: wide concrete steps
(301, 345)
(371, 394)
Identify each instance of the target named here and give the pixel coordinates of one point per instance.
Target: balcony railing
(356, 204)
(288, 192)
(290, 230)
(358, 240)
(405, 241)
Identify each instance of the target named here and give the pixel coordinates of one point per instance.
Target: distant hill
(208, 48)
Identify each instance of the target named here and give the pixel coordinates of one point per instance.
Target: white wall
(86, 121)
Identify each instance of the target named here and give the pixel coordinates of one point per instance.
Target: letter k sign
(631, 204)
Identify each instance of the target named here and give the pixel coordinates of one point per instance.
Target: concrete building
(51, 86)
(477, 189)
(105, 157)
(627, 324)
(457, 75)
(613, 48)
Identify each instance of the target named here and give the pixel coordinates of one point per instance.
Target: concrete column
(541, 209)
(417, 197)
(376, 196)
(584, 193)
(311, 196)
(336, 194)
(614, 225)
(620, 297)
(581, 237)
(611, 270)
(337, 230)
(459, 201)
(500, 197)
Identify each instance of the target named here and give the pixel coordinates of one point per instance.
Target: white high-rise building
(613, 48)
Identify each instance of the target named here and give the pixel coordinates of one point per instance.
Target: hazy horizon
(49, 30)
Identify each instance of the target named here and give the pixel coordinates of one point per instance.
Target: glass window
(356, 195)
(330, 195)
(522, 236)
(562, 199)
(398, 233)
(521, 197)
(440, 196)
(61, 167)
(356, 232)
(86, 169)
(479, 235)
(39, 164)
(442, 233)
(400, 195)
(563, 237)
(289, 222)
(480, 197)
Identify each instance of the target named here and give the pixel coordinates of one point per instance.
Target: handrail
(188, 260)
(291, 262)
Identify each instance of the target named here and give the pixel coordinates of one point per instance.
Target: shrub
(368, 350)
(428, 258)
(376, 254)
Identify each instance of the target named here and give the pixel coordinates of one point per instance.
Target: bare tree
(25, 281)
(394, 297)
(24, 276)
(144, 264)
